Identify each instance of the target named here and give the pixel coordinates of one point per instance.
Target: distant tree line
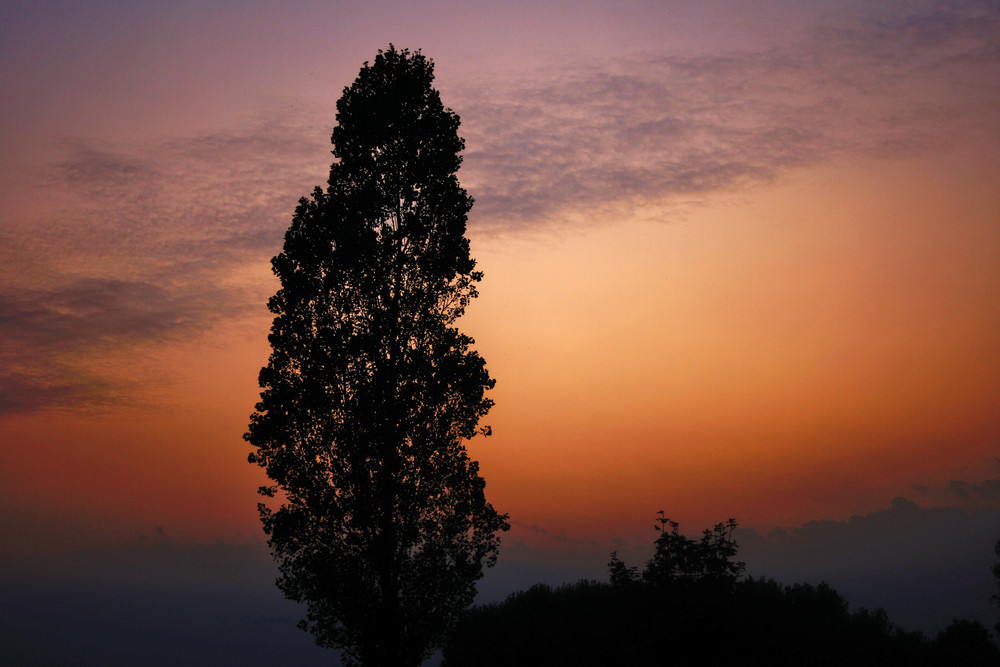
(691, 605)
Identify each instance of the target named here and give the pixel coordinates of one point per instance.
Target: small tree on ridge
(680, 560)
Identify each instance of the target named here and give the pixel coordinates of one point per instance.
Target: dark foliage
(965, 643)
(370, 390)
(689, 607)
(756, 622)
(679, 559)
(996, 573)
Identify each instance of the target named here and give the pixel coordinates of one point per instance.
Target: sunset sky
(742, 259)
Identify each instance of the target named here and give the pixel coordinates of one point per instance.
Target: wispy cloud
(91, 311)
(208, 197)
(142, 244)
(580, 136)
(988, 490)
(50, 333)
(24, 393)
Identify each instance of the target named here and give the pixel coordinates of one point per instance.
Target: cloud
(103, 172)
(210, 197)
(988, 491)
(54, 335)
(924, 565)
(578, 137)
(140, 244)
(24, 393)
(89, 311)
(964, 494)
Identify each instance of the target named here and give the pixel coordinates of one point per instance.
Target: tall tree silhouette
(370, 390)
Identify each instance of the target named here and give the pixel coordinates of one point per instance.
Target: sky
(742, 260)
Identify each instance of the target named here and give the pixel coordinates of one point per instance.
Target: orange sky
(759, 279)
(787, 354)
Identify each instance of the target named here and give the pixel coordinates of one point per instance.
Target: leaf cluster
(680, 560)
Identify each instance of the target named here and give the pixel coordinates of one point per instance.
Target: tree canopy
(371, 391)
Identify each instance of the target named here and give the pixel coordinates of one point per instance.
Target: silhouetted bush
(966, 644)
(754, 622)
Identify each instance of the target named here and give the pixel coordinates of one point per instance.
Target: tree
(966, 643)
(679, 559)
(370, 391)
(682, 560)
(996, 574)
